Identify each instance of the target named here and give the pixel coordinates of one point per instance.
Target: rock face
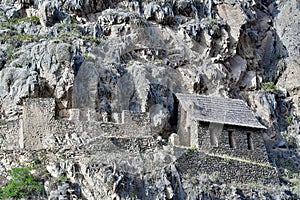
(114, 55)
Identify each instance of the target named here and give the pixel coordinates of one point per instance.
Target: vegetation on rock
(22, 184)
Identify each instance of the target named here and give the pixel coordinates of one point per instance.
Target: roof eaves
(182, 96)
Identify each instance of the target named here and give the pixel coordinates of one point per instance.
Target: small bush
(34, 19)
(93, 39)
(288, 119)
(37, 161)
(87, 57)
(22, 184)
(269, 86)
(16, 39)
(10, 51)
(193, 147)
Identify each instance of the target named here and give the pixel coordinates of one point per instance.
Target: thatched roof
(218, 110)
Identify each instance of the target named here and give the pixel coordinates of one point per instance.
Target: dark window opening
(232, 143)
(175, 114)
(250, 141)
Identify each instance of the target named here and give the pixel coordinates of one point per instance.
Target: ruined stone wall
(135, 124)
(75, 132)
(64, 133)
(226, 170)
(258, 154)
(37, 114)
(41, 130)
(10, 134)
(135, 144)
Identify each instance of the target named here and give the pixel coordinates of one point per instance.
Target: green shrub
(269, 86)
(16, 38)
(34, 19)
(87, 57)
(22, 184)
(288, 119)
(10, 51)
(93, 39)
(37, 161)
(193, 147)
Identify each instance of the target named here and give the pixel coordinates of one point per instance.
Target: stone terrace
(226, 169)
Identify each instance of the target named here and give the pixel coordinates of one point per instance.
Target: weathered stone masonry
(224, 169)
(37, 115)
(228, 139)
(240, 149)
(220, 126)
(40, 129)
(10, 134)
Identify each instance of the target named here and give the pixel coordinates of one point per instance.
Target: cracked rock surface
(112, 55)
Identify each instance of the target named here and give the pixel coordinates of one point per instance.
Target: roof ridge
(208, 96)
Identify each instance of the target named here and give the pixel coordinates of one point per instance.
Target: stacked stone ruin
(39, 128)
(239, 141)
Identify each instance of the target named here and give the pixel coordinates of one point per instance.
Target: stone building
(220, 126)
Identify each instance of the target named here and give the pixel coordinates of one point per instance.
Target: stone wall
(37, 114)
(75, 133)
(258, 154)
(226, 170)
(135, 124)
(10, 134)
(232, 170)
(39, 129)
(66, 132)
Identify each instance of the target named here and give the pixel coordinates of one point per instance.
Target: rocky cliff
(111, 55)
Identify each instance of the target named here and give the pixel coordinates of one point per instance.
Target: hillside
(107, 56)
